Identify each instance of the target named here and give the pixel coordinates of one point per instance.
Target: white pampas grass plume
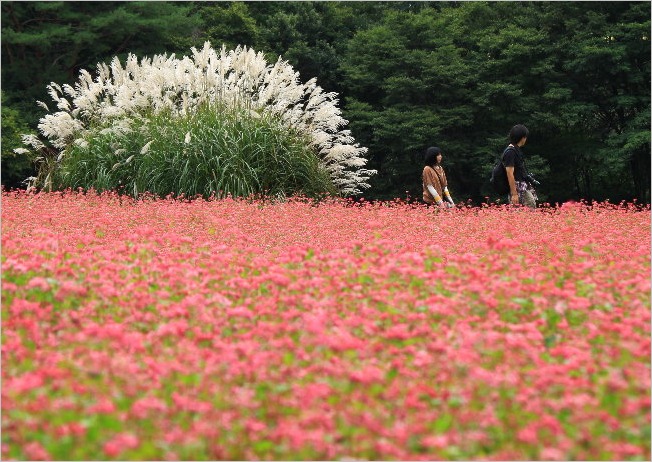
(82, 143)
(146, 147)
(32, 141)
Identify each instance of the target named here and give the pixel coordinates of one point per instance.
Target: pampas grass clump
(214, 123)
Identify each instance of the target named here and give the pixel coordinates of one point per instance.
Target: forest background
(409, 75)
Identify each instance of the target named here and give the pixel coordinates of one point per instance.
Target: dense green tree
(229, 24)
(15, 168)
(410, 85)
(45, 42)
(608, 62)
(312, 35)
(460, 75)
(409, 75)
(51, 41)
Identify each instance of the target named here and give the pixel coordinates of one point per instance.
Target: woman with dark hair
(435, 184)
(521, 192)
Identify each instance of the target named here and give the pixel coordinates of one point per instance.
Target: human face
(522, 142)
(439, 158)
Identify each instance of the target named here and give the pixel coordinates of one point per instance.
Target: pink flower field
(237, 329)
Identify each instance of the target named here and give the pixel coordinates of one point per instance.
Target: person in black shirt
(521, 192)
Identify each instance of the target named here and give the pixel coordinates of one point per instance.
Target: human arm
(447, 194)
(434, 194)
(445, 191)
(513, 193)
(509, 161)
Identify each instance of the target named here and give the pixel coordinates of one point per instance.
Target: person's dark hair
(517, 133)
(430, 159)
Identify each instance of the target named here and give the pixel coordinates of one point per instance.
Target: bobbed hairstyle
(430, 158)
(517, 133)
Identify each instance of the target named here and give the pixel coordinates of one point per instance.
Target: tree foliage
(15, 168)
(460, 75)
(457, 75)
(51, 41)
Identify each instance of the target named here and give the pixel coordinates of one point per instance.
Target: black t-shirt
(513, 157)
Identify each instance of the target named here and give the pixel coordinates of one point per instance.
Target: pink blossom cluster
(243, 329)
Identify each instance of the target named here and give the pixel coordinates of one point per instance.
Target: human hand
(514, 199)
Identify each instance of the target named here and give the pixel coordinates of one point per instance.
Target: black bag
(499, 176)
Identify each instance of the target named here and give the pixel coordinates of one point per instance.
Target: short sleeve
(509, 158)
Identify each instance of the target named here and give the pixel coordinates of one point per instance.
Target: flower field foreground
(236, 329)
